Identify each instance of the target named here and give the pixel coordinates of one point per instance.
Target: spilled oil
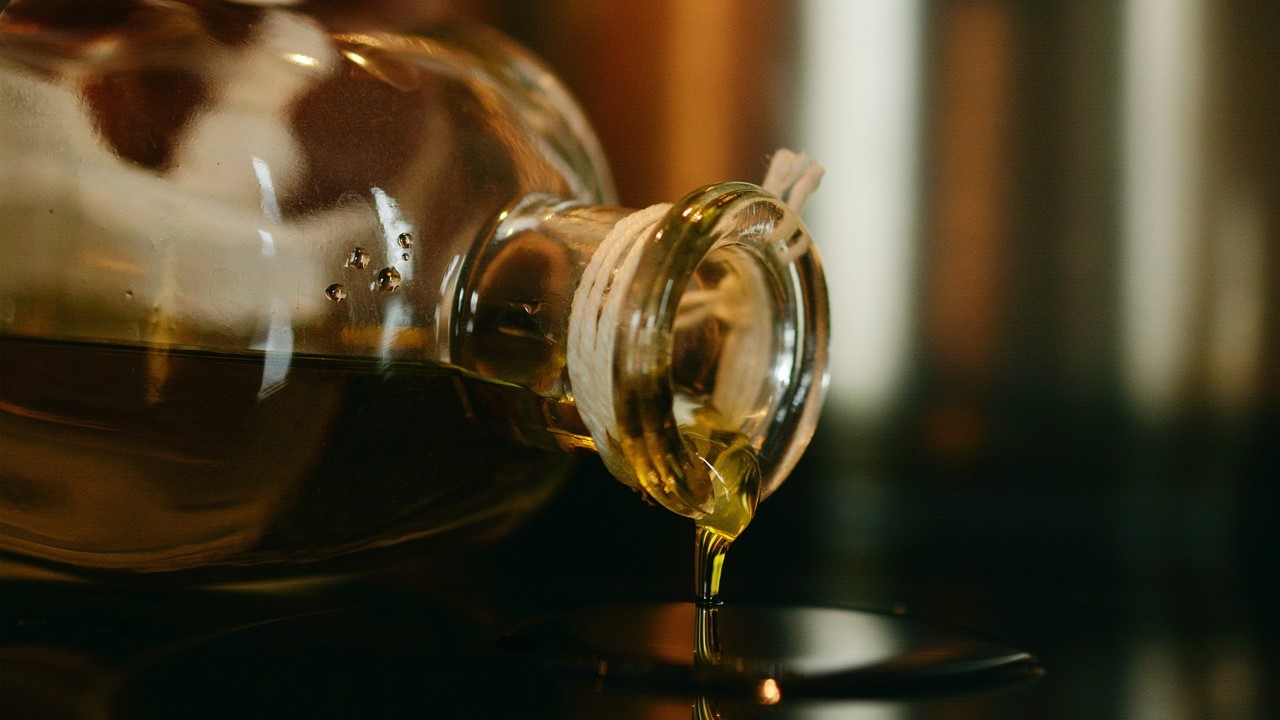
(722, 660)
(766, 655)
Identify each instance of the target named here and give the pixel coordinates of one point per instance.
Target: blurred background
(1050, 231)
(1052, 235)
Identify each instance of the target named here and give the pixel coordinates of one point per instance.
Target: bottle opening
(718, 336)
(725, 351)
(692, 346)
(725, 347)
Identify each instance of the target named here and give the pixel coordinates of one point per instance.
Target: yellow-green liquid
(735, 481)
(710, 548)
(148, 458)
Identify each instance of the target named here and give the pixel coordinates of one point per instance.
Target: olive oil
(735, 482)
(151, 458)
(710, 549)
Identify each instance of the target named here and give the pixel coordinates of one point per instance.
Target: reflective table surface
(904, 593)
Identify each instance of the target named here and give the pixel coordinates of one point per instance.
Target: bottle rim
(743, 218)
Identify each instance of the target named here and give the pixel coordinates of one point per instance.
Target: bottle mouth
(723, 337)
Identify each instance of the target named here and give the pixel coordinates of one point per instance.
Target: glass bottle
(276, 292)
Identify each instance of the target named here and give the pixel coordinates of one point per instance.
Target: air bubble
(405, 240)
(388, 280)
(358, 259)
(404, 256)
(336, 292)
(128, 294)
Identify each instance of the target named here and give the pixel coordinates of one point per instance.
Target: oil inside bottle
(167, 458)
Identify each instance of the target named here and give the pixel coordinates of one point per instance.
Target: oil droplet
(388, 280)
(358, 259)
(404, 256)
(405, 240)
(336, 292)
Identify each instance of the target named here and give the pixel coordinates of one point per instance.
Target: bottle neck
(651, 333)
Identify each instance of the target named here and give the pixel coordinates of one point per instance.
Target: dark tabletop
(1137, 567)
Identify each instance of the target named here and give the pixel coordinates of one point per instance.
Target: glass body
(278, 292)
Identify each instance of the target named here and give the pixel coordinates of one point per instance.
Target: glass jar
(276, 292)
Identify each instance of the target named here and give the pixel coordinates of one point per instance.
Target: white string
(595, 314)
(792, 177)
